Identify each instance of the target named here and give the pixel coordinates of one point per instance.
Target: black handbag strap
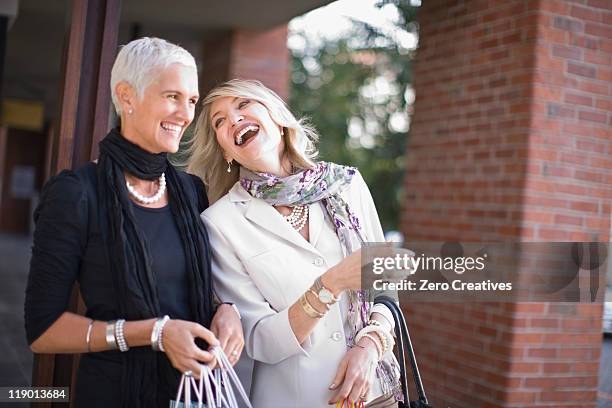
(404, 343)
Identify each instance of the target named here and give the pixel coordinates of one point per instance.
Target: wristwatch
(325, 295)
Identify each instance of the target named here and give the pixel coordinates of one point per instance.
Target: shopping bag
(213, 386)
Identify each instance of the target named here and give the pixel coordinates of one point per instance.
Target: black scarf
(144, 371)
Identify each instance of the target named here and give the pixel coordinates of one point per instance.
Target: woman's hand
(346, 275)
(355, 374)
(228, 329)
(181, 349)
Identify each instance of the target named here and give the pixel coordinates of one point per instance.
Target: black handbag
(404, 344)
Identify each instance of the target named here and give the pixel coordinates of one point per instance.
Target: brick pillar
(510, 140)
(248, 54)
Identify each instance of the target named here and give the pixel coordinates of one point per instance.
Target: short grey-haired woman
(286, 233)
(127, 229)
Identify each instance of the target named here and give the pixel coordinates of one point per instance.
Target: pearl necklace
(148, 200)
(298, 217)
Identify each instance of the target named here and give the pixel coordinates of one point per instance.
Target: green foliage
(353, 90)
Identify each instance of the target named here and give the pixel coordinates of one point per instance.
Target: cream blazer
(263, 265)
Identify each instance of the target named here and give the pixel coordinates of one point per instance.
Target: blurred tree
(356, 91)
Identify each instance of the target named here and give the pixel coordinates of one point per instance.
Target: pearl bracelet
(379, 350)
(385, 338)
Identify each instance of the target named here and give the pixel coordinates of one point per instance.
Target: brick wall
(249, 54)
(510, 139)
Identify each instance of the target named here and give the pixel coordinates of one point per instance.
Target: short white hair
(139, 60)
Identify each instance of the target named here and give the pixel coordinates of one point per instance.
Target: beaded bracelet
(378, 346)
(387, 343)
(383, 341)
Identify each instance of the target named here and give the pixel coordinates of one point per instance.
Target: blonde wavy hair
(205, 156)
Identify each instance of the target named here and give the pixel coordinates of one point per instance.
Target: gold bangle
(308, 309)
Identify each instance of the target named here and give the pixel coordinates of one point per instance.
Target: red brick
(592, 116)
(589, 176)
(520, 397)
(584, 13)
(602, 4)
(571, 189)
(556, 368)
(584, 206)
(563, 51)
(599, 30)
(597, 58)
(568, 220)
(568, 396)
(575, 353)
(604, 104)
(593, 87)
(537, 216)
(573, 158)
(603, 163)
(542, 352)
(587, 42)
(586, 368)
(578, 99)
(581, 324)
(591, 146)
(583, 70)
(568, 24)
(552, 234)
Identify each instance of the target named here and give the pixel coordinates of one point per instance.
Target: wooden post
(84, 120)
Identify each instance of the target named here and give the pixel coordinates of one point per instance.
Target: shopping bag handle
(403, 341)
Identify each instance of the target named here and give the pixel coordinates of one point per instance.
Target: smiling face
(247, 133)
(159, 118)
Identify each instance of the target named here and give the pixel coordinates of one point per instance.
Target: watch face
(326, 296)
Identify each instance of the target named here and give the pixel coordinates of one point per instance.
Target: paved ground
(15, 355)
(16, 358)
(605, 375)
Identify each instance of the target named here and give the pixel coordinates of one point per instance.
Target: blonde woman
(286, 232)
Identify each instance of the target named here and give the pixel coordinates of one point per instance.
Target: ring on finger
(235, 353)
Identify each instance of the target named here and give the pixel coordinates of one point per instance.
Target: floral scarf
(324, 183)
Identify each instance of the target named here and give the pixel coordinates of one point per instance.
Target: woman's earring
(229, 166)
(130, 111)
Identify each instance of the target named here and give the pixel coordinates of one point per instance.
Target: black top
(68, 248)
(168, 258)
